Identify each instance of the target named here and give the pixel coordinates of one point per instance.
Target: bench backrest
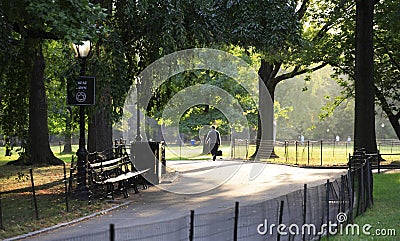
(100, 171)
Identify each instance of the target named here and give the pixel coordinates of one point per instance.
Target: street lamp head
(82, 51)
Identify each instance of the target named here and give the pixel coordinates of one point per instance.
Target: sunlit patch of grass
(384, 216)
(17, 203)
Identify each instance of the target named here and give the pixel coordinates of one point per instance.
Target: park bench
(105, 174)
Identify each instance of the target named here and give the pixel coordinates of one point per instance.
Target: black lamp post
(138, 137)
(82, 52)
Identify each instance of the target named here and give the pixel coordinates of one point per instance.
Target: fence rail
(311, 153)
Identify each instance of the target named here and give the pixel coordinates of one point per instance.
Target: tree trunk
(38, 135)
(266, 113)
(100, 132)
(364, 125)
(68, 132)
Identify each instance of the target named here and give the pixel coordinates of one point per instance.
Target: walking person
(214, 140)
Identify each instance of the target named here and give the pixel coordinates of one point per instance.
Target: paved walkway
(203, 186)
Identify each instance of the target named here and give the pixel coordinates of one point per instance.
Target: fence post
(112, 232)
(286, 151)
(334, 145)
(304, 210)
(71, 175)
(297, 144)
(321, 152)
(327, 208)
(1, 216)
(342, 207)
(247, 149)
(362, 189)
(233, 148)
(235, 228)
(65, 187)
(191, 230)
(379, 162)
(391, 148)
(369, 185)
(34, 194)
(350, 185)
(308, 152)
(278, 237)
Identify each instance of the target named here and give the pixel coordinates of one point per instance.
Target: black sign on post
(81, 91)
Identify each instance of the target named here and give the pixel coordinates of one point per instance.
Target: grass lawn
(17, 206)
(384, 216)
(303, 155)
(19, 217)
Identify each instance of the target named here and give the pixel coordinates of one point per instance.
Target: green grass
(331, 155)
(384, 216)
(55, 149)
(18, 213)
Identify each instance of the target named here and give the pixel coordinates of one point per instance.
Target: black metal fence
(311, 153)
(300, 215)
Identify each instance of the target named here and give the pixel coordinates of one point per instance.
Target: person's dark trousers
(214, 149)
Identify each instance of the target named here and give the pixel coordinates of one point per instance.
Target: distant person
(302, 139)
(214, 140)
(348, 139)
(337, 138)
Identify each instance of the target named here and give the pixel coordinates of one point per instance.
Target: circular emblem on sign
(80, 96)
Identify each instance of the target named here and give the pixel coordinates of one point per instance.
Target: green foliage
(340, 50)
(196, 117)
(384, 213)
(14, 94)
(66, 20)
(61, 67)
(305, 108)
(387, 58)
(268, 26)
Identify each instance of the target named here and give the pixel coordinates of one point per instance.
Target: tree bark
(99, 132)
(38, 149)
(68, 132)
(364, 125)
(266, 110)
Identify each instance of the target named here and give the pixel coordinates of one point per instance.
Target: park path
(203, 186)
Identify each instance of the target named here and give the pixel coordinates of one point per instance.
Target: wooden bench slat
(105, 163)
(118, 170)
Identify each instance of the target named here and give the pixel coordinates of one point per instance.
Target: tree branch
(277, 67)
(296, 72)
(330, 23)
(387, 52)
(384, 104)
(302, 10)
(34, 33)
